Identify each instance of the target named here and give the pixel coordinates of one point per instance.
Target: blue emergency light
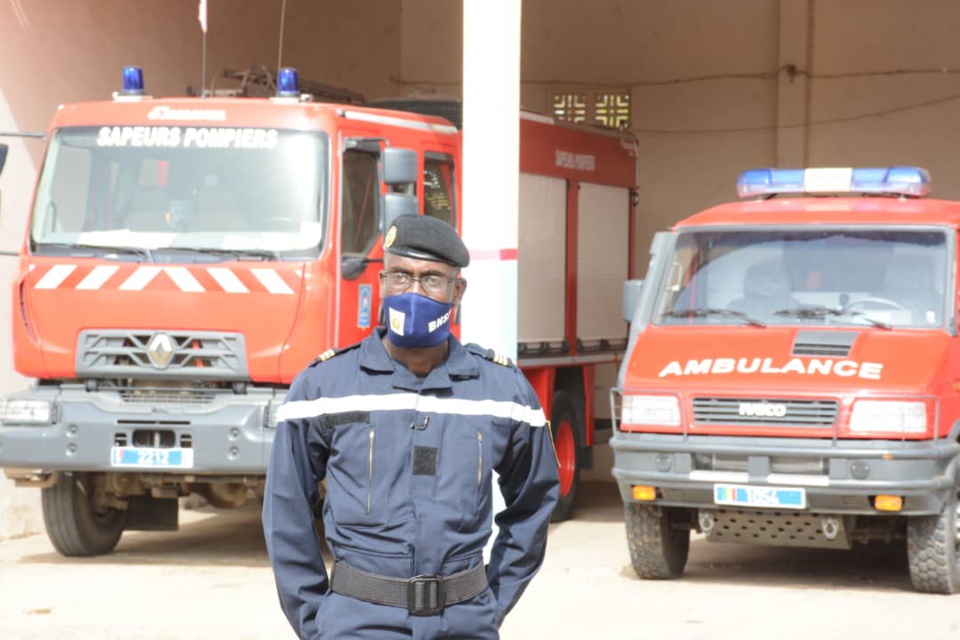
(288, 84)
(132, 81)
(903, 181)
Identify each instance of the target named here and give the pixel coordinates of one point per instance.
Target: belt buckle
(425, 595)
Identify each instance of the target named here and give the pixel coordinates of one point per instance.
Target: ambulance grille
(834, 344)
(207, 355)
(765, 412)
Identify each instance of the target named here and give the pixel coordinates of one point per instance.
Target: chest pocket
(356, 477)
(465, 473)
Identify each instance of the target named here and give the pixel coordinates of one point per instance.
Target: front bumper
(838, 477)
(227, 435)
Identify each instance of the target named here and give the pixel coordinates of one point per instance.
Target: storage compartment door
(603, 232)
(542, 260)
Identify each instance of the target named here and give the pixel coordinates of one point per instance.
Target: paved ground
(212, 580)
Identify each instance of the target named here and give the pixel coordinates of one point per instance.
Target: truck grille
(765, 412)
(161, 354)
(172, 392)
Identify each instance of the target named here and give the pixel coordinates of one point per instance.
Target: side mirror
(632, 289)
(352, 266)
(399, 166)
(3, 155)
(396, 205)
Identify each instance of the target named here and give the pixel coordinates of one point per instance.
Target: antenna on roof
(202, 15)
(283, 15)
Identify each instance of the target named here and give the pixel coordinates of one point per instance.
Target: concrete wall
(716, 86)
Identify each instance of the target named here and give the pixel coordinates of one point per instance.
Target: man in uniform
(407, 427)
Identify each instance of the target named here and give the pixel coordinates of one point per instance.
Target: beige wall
(710, 93)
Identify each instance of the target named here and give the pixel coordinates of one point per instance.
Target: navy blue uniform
(408, 463)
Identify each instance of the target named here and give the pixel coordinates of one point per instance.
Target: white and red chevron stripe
(149, 277)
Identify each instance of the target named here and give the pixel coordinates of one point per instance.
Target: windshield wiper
(822, 312)
(102, 251)
(702, 312)
(239, 254)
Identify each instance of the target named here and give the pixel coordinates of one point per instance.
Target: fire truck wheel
(932, 549)
(658, 548)
(73, 525)
(565, 427)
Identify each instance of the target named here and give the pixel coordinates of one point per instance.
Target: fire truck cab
(185, 259)
(793, 374)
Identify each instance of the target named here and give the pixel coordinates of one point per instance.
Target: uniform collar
(373, 355)
(458, 365)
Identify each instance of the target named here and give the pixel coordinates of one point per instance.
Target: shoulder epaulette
(490, 354)
(330, 353)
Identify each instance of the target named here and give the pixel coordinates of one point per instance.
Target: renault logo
(160, 350)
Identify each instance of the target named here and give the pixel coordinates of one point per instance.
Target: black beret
(426, 238)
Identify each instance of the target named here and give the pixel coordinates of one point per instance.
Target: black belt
(424, 595)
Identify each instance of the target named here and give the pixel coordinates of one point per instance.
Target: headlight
(660, 411)
(889, 416)
(19, 411)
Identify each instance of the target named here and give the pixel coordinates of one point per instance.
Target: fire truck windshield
(257, 191)
(887, 278)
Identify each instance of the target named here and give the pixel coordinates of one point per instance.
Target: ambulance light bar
(903, 181)
(132, 81)
(288, 83)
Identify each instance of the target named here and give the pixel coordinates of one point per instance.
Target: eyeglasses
(432, 283)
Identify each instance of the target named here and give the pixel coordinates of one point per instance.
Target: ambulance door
(361, 255)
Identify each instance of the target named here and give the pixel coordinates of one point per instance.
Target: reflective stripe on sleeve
(299, 409)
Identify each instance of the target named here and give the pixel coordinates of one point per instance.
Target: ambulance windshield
(887, 278)
(182, 188)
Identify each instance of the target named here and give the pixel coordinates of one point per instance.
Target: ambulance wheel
(73, 525)
(658, 547)
(565, 427)
(933, 549)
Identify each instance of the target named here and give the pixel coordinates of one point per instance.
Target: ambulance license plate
(151, 458)
(740, 495)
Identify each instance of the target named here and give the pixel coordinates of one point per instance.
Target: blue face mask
(414, 320)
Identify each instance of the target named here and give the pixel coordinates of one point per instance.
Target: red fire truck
(792, 376)
(187, 257)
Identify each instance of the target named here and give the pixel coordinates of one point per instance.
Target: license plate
(740, 495)
(147, 457)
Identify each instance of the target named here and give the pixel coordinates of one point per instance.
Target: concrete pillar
(793, 90)
(491, 170)
(491, 178)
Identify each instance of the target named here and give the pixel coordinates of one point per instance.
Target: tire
(73, 526)
(932, 549)
(566, 428)
(658, 549)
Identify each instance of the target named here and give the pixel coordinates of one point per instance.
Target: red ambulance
(793, 374)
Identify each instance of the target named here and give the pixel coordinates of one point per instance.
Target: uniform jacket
(408, 463)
